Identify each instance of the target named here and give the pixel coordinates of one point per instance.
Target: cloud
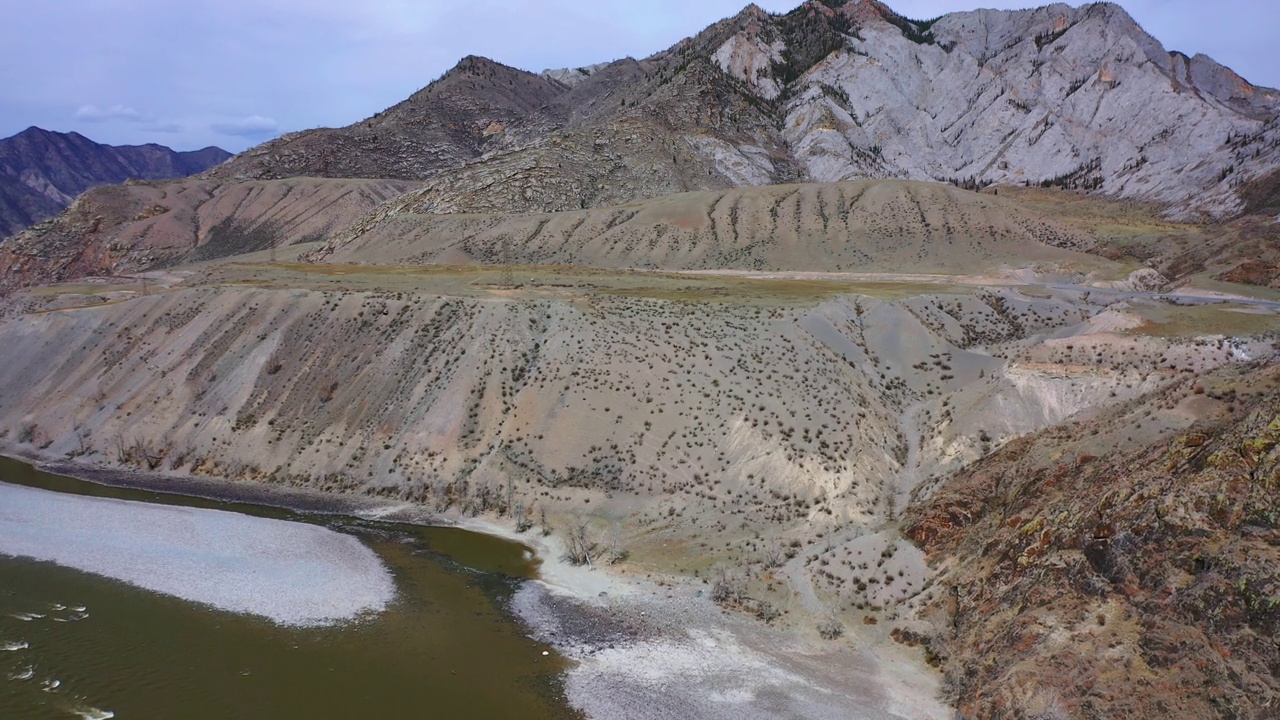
(252, 126)
(142, 122)
(93, 113)
(160, 126)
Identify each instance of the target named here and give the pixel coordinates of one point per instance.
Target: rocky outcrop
(1081, 98)
(1139, 583)
(570, 77)
(42, 172)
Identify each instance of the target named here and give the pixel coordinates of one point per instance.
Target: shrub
(830, 628)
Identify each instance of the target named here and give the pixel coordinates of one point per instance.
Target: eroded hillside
(864, 226)
(1087, 582)
(123, 229)
(791, 418)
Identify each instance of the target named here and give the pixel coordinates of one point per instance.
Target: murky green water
(77, 645)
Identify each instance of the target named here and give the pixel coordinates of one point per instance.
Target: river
(77, 644)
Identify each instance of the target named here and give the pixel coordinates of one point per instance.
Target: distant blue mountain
(42, 172)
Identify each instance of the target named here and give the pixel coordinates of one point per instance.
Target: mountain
(1076, 99)
(1080, 98)
(474, 108)
(42, 172)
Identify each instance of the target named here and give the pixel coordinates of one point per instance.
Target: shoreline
(291, 573)
(641, 648)
(300, 500)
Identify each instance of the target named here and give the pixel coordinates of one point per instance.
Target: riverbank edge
(588, 594)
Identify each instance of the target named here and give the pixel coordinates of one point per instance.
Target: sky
(235, 73)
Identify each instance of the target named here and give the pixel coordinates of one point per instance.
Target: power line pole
(507, 279)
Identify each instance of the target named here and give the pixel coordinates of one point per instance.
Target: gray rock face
(570, 77)
(1076, 97)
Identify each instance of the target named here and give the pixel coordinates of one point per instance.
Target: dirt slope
(121, 229)
(864, 225)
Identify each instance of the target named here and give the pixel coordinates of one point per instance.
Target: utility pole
(506, 279)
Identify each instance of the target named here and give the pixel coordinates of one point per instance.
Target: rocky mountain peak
(1074, 97)
(485, 80)
(1088, 76)
(861, 11)
(481, 66)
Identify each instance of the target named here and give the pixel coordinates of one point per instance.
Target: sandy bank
(649, 649)
(292, 573)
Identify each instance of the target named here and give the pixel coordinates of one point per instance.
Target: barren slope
(122, 229)
(669, 403)
(883, 226)
(1088, 582)
(762, 433)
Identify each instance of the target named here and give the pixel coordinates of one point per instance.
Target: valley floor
(737, 449)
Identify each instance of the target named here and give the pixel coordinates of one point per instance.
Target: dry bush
(831, 628)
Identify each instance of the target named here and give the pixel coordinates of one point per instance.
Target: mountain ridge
(42, 171)
(958, 333)
(1081, 98)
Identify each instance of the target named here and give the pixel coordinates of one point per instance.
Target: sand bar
(292, 573)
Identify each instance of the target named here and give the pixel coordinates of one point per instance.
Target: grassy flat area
(1103, 218)
(552, 282)
(1218, 319)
